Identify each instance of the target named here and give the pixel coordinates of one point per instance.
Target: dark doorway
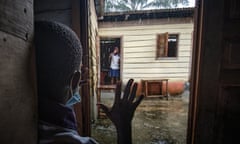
(106, 47)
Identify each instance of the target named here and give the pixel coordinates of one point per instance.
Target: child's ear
(75, 79)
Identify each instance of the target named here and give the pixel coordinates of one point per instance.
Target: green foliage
(168, 3)
(133, 5)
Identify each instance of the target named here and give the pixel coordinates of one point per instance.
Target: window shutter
(162, 45)
(166, 44)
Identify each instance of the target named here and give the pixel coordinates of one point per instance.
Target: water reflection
(156, 121)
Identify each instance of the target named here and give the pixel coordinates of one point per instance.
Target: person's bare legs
(112, 80)
(117, 79)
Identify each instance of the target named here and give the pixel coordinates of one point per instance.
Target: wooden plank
(154, 76)
(148, 22)
(163, 21)
(175, 60)
(139, 43)
(85, 61)
(149, 54)
(150, 27)
(152, 43)
(16, 18)
(183, 47)
(75, 17)
(139, 79)
(184, 42)
(139, 49)
(18, 101)
(151, 48)
(156, 70)
(162, 45)
(63, 16)
(156, 65)
(144, 32)
(171, 78)
(162, 63)
(153, 40)
(184, 53)
(133, 38)
(51, 5)
(140, 55)
(131, 30)
(150, 37)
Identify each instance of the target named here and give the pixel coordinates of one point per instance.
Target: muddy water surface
(156, 121)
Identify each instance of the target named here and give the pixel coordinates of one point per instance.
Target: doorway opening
(140, 63)
(157, 48)
(107, 46)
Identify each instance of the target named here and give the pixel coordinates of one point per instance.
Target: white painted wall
(139, 50)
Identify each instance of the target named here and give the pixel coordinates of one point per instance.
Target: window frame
(99, 55)
(166, 46)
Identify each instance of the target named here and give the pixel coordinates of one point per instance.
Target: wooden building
(155, 44)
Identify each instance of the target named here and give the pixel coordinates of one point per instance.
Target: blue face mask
(74, 99)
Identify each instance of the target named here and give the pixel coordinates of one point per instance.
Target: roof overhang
(147, 14)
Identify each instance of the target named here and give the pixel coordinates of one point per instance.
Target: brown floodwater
(156, 121)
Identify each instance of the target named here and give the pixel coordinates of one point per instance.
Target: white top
(115, 61)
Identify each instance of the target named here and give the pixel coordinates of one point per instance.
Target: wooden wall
(55, 10)
(18, 122)
(139, 48)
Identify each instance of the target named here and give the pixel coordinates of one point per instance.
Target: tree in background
(133, 5)
(168, 3)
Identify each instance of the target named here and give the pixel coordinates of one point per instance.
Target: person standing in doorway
(114, 59)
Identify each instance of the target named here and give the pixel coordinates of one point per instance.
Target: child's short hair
(58, 55)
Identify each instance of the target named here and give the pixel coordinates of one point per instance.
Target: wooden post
(17, 99)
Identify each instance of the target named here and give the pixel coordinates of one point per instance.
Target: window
(167, 45)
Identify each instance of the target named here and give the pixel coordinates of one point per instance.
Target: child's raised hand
(123, 108)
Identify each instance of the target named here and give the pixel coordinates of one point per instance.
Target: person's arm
(122, 111)
(110, 58)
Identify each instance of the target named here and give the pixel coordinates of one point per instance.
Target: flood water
(156, 121)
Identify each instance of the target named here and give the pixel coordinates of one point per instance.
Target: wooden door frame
(199, 54)
(121, 54)
(80, 26)
(194, 78)
(82, 32)
(84, 10)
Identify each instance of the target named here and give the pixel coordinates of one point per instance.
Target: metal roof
(147, 14)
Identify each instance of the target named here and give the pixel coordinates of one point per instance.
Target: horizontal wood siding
(139, 51)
